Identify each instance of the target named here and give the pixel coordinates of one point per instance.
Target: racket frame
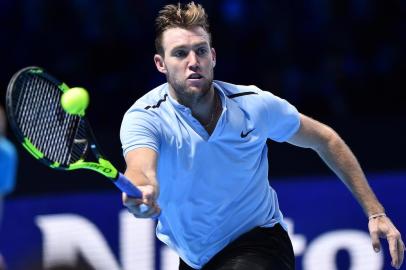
(102, 166)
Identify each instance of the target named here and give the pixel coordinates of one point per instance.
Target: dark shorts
(258, 249)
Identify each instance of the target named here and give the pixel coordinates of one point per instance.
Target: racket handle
(126, 186)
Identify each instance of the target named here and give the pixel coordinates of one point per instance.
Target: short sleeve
(283, 119)
(139, 129)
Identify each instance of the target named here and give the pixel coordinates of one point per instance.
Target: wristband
(377, 216)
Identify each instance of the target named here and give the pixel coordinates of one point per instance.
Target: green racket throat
(103, 167)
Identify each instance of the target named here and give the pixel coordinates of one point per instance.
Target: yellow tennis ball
(75, 100)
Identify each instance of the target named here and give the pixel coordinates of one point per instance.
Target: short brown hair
(183, 16)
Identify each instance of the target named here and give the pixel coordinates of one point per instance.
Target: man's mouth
(195, 76)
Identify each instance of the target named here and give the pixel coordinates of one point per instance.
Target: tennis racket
(55, 138)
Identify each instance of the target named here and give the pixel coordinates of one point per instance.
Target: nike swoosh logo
(243, 135)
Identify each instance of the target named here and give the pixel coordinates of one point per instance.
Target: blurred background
(339, 61)
(342, 62)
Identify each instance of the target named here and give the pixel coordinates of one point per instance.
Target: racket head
(57, 139)
(46, 131)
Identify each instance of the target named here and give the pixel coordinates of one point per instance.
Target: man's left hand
(382, 227)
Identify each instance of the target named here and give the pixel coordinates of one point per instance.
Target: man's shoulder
(246, 96)
(249, 97)
(236, 90)
(152, 99)
(149, 107)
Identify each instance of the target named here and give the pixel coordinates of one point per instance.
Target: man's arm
(338, 156)
(141, 171)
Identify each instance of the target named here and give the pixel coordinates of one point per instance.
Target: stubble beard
(186, 95)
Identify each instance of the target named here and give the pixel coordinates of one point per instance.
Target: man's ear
(213, 53)
(159, 63)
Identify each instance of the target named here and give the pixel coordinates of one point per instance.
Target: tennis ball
(75, 100)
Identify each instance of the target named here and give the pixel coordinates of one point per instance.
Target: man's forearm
(338, 156)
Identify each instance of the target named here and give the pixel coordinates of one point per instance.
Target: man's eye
(201, 51)
(180, 54)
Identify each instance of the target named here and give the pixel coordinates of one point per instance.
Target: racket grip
(126, 186)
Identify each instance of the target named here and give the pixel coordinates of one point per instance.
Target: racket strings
(43, 121)
(80, 143)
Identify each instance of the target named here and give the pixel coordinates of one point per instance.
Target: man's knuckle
(394, 235)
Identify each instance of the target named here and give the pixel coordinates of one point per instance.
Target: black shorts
(258, 249)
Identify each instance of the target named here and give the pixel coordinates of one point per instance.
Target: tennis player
(196, 147)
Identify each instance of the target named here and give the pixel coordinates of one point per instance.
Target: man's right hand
(135, 205)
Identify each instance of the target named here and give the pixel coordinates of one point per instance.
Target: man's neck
(202, 107)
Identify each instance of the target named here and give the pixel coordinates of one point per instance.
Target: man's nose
(193, 61)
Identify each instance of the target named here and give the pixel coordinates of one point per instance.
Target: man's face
(188, 62)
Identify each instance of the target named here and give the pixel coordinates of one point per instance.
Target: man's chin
(191, 90)
(198, 91)
(198, 87)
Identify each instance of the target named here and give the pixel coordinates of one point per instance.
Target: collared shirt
(215, 187)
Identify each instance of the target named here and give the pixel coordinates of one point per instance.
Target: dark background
(339, 61)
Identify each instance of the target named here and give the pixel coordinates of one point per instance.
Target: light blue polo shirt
(213, 188)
